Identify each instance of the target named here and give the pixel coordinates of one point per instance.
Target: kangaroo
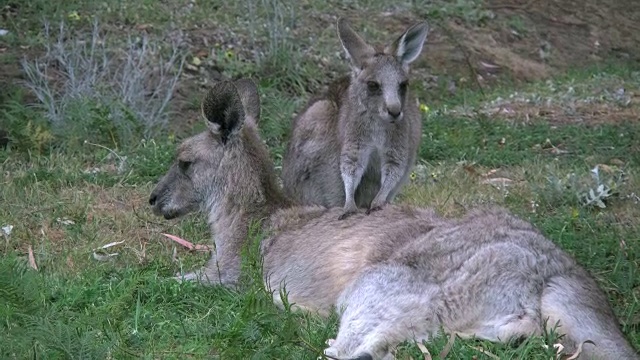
(401, 273)
(355, 145)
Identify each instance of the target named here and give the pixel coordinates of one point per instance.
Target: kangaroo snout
(394, 112)
(393, 105)
(154, 202)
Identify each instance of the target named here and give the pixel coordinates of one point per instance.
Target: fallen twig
(32, 259)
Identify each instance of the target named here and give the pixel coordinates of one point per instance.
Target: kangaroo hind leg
(382, 308)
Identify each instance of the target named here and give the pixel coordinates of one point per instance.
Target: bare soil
(554, 36)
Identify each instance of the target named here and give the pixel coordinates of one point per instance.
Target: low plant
(92, 87)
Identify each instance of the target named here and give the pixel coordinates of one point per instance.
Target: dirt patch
(582, 114)
(496, 55)
(116, 202)
(120, 210)
(533, 40)
(559, 114)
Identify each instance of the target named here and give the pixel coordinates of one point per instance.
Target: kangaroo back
(354, 145)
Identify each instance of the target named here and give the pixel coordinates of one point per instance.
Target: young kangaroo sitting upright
(399, 274)
(355, 145)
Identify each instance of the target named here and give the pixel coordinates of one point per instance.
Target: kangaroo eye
(184, 165)
(403, 86)
(373, 86)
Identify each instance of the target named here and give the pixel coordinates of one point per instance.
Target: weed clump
(92, 88)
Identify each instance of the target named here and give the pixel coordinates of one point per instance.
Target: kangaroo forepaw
(345, 214)
(192, 276)
(331, 352)
(349, 209)
(201, 276)
(374, 209)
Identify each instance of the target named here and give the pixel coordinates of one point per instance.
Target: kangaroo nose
(152, 199)
(394, 112)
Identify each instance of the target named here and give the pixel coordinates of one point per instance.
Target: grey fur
(398, 274)
(354, 146)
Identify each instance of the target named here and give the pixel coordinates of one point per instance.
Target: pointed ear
(223, 110)
(356, 48)
(408, 46)
(250, 98)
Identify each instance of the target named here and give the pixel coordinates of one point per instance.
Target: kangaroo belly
(370, 182)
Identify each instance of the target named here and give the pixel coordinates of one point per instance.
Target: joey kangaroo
(401, 273)
(355, 145)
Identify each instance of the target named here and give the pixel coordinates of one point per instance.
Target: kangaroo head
(380, 78)
(224, 160)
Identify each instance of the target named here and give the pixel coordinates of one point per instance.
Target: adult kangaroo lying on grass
(400, 273)
(355, 145)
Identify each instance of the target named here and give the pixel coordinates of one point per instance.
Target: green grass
(65, 198)
(134, 313)
(495, 143)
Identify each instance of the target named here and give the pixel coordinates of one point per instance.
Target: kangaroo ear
(250, 98)
(356, 48)
(408, 46)
(222, 108)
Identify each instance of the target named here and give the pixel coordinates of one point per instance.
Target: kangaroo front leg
(392, 173)
(210, 274)
(353, 162)
(223, 268)
(383, 307)
(207, 275)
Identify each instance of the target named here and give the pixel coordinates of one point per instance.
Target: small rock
(65, 221)
(7, 229)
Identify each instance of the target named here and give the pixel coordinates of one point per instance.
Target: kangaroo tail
(580, 310)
